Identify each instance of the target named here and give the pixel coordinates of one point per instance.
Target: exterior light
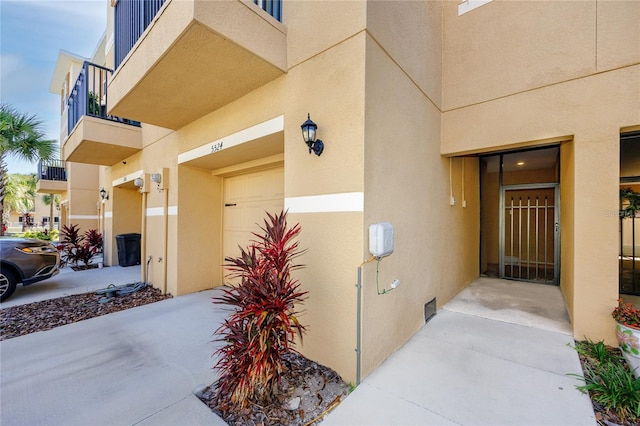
(309, 135)
(520, 163)
(139, 182)
(104, 195)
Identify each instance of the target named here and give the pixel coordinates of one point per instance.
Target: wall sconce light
(309, 135)
(156, 177)
(139, 182)
(104, 195)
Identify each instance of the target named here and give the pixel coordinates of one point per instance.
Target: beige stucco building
(434, 116)
(73, 183)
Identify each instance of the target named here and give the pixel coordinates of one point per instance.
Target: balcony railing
(89, 96)
(132, 17)
(52, 170)
(272, 7)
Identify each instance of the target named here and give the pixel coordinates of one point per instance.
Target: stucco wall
(531, 73)
(407, 184)
(395, 88)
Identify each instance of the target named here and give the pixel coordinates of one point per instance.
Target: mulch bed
(47, 314)
(306, 393)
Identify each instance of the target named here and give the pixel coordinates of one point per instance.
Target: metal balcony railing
(89, 96)
(272, 7)
(132, 17)
(52, 170)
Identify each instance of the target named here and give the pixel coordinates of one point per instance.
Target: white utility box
(381, 239)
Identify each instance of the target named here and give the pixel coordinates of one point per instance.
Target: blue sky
(31, 35)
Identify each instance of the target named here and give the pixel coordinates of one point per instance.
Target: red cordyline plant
(626, 314)
(264, 323)
(76, 248)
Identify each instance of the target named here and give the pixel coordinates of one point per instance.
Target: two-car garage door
(246, 199)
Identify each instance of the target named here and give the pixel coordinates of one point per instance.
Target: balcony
(52, 177)
(96, 137)
(178, 60)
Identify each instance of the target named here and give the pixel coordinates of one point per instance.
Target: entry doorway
(520, 215)
(530, 229)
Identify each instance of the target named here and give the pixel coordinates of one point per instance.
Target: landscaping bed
(610, 383)
(47, 314)
(306, 393)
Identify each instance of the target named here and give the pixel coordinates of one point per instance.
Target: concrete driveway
(137, 366)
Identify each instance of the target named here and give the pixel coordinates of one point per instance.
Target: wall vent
(429, 310)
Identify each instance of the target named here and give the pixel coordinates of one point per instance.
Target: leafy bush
(44, 235)
(263, 325)
(609, 381)
(77, 248)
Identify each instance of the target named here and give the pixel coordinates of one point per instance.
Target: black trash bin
(128, 249)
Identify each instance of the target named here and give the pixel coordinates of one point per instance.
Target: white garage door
(246, 199)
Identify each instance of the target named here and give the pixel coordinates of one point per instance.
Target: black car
(26, 261)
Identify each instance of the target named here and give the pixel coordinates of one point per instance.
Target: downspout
(359, 320)
(358, 326)
(143, 239)
(165, 216)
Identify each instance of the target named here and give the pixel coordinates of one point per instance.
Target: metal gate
(530, 233)
(629, 255)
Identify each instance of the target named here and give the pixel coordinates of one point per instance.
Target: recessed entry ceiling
(536, 159)
(630, 155)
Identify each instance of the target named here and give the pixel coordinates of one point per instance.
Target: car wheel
(7, 284)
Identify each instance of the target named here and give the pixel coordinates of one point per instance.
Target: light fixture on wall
(309, 135)
(104, 195)
(139, 182)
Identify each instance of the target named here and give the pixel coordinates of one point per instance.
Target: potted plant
(627, 318)
(629, 202)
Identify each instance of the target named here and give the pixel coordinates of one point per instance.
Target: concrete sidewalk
(497, 354)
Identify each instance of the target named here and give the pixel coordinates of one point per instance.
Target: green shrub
(609, 381)
(41, 234)
(264, 323)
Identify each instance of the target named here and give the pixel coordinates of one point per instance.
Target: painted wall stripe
(83, 216)
(159, 211)
(268, 127)
(128, 178)
(345, 202)
(469, 5)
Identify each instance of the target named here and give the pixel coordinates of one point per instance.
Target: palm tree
(21, 136)
(20, 193)
(50, 200)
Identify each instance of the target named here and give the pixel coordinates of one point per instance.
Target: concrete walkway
(495, 355)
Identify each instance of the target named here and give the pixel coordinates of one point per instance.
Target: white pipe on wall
(165, 218)
(143, 239)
